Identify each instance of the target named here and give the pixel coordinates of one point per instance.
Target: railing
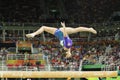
(109, 68)
(37, 68)
(38, 24)
(58, 24)
(24, 56)
(22, 68)
(14, 39)
(51, 68)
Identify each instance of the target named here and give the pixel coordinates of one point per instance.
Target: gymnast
(62, 34)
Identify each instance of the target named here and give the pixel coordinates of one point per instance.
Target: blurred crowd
(88, 49)
(51, 11)
(100, 50)
(103, 30)
(108, 54)
(103, 48)
(82, 54)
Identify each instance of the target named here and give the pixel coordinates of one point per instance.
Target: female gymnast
(62, 35)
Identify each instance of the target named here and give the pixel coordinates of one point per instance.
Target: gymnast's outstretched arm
(64, 29)
(68, 50)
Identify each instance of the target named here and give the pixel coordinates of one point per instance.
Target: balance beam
(57, 74)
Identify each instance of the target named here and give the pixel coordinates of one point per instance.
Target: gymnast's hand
(63, 24)
(68, 54)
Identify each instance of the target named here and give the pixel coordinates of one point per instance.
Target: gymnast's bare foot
(93, 31)
(30, 35)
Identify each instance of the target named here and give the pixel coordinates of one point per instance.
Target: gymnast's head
(65, 44)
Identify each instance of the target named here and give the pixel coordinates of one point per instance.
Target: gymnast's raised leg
(50, 30)
(71, 30)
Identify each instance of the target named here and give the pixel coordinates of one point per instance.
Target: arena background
(100, 52)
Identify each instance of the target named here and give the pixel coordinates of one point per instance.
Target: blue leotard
(64, 41)
(59, 34)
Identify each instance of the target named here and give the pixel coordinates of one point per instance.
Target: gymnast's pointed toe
(29, 35)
